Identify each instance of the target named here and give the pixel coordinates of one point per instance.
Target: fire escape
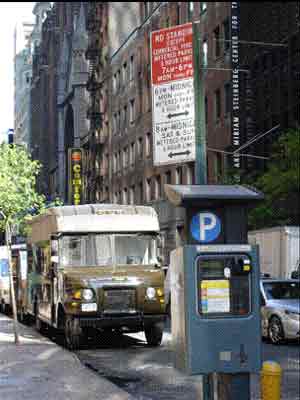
(94, 114)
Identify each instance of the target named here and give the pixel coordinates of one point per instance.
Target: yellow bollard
(271, 381)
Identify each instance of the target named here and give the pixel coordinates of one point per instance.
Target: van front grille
(119, 301)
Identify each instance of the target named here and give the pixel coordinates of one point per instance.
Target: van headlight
(87, 294)
(150, 293)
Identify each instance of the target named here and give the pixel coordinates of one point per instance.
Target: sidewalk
(38, 369)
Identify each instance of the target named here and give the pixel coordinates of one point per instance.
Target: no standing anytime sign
(173, 113)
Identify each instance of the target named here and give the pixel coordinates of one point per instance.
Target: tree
(280, 184)
(18, 197)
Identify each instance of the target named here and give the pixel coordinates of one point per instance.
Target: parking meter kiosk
(215, 282)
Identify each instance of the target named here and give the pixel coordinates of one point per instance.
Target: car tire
(154, 334)
(275, 330)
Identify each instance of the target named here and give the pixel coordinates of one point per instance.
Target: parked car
(280, 309)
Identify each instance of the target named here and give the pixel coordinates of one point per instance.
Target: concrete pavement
(38, 369)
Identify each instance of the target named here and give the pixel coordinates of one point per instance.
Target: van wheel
(154, 334)
(73, 334)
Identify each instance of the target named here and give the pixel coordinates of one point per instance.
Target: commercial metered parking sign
(173, 113)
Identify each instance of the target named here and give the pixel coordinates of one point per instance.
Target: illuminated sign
(75, 176)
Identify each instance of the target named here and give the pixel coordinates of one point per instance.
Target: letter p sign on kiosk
(205, 227)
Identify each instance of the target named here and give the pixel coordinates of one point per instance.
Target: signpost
(173, 103)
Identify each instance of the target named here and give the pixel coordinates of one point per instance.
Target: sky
(10, 14)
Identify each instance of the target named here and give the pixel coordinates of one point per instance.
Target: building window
(217, 105)
(141, 192)
(148, 145)
(148, 190)
(157, 188)
(146, 9)
(205, 52)
(116, 197)
(132, 110)
(190, 175)
(190, 10)
(124, 73)
(140, 147)
(115, 125)
(118, 79)
(115, 87)
(217, 42)
(178, 176)
(218, 167)
(125, 157)
(203, 6)
(125, 116)
(131, 195)
(131, 68)
(227, 92)
(206, 109)
(119, 161)
(226, 29)
(125, 196)
(132, 154)
(168, 178)
(119, 122)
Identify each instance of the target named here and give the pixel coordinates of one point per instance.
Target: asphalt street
(148, 373)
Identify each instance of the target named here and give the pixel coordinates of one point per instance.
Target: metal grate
(119, 301)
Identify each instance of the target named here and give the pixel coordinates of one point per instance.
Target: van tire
(72, 333)
(154, 334)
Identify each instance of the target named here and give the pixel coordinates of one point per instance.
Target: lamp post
(4, 218)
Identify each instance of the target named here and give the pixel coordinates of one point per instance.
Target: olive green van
(96, 267)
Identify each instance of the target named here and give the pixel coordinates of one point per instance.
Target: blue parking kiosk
(215, 285)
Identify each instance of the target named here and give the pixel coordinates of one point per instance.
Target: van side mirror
(54, 248)
(159, 242)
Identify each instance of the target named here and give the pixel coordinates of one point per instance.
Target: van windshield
(104, 250)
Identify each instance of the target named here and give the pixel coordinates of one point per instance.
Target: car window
(282, 290)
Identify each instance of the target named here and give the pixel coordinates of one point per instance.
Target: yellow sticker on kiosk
(215, 296)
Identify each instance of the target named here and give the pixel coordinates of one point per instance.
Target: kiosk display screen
(224, 285)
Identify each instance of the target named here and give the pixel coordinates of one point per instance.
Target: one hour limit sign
(173, 108)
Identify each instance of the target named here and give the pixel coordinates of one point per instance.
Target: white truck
(4, 280)
(278, 248)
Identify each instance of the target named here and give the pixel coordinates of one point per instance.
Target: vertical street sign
(75, 175)
(235, 84)
(173, 107)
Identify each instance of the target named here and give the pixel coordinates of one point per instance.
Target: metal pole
(234, 386)
(201, 160)
(200, 124)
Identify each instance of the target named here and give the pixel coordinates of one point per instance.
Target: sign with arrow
(173, 107)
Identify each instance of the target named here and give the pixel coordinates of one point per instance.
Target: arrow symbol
(182, 153)
(178, 114)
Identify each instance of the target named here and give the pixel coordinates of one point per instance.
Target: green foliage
(17, 185)
(280, 184)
